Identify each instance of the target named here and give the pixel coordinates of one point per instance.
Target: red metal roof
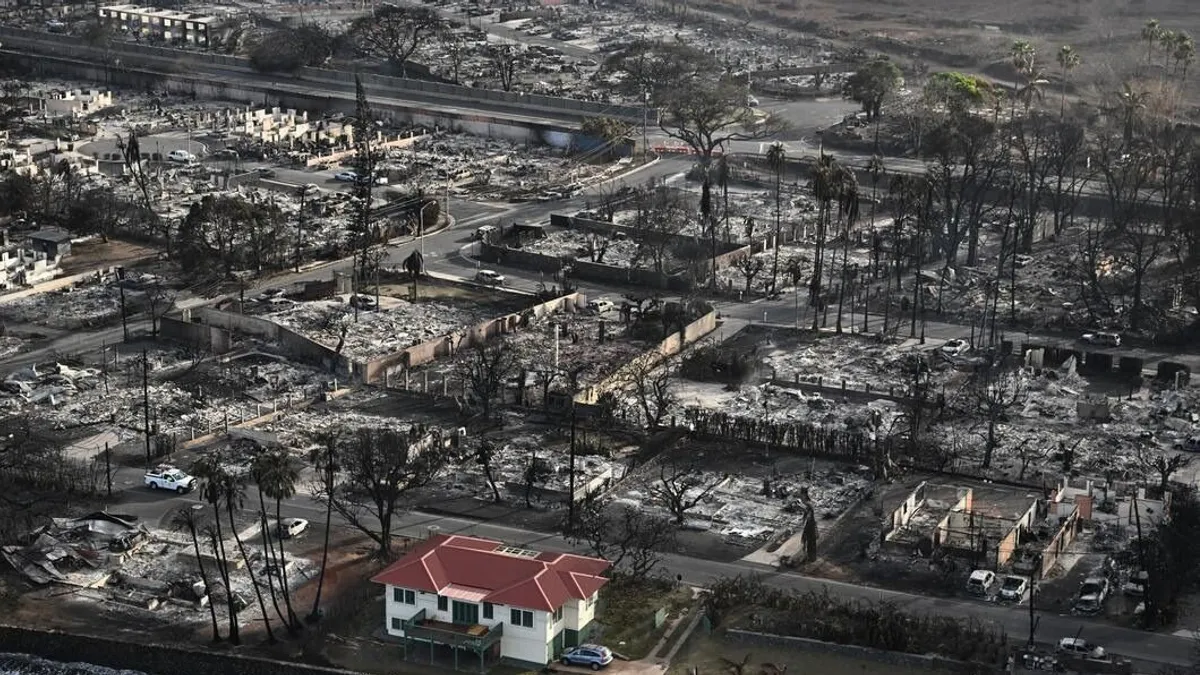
(545, 581)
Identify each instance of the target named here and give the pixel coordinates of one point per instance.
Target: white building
(167, 25)
(472, 599)
(75, 103)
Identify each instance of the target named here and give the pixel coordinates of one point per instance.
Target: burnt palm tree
(186, 518)
(276, 479)
(776, 158)
(823, 190)
(847, 195)
(324, 458)
(234, 498)
(1068, 60)
(213, 476)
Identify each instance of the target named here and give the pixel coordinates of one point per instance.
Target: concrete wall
(334, 157)
(671, 345)
(904, 513)
(209, 338)
(1059, 543)
(1008, 545)
(293, 343)
(112, 652)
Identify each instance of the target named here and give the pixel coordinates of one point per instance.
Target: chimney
(1141, 493)
(602, 331)
(1090, 485)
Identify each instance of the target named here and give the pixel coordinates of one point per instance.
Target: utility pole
(124, 314)
(146, 401)
(108, 468)
(300, 227)
(571, 489)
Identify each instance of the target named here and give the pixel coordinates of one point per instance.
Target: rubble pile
(400, 325)
(299, 429)
(579, 349)
(511, 461)
(487, 168)
(749, 508)
(70, 308)
(591, 247)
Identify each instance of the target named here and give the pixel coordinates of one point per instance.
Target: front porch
(434, 641)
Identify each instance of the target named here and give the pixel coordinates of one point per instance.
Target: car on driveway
(1189, 444)
(955, 347)
(489, 277)
(592, 656)
(980, 582)
(292, 527)
(1092, 594)
(346, 176)
(1013, 588)
(182, 156)
(1080, 647)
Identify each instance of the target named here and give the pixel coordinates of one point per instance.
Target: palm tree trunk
(212, 610)
(269, 552)
(219, 548)
(293, 623)
(262, 606)
(778, 221)
(316, 608)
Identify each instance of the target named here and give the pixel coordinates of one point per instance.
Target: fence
(333, 79)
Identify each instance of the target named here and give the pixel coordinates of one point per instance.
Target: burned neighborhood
(621, 335)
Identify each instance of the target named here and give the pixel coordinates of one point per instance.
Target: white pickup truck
(169, 478)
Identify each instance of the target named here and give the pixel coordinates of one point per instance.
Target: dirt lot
(972, 34)
(95, 254)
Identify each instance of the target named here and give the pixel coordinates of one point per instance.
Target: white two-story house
(481, 601)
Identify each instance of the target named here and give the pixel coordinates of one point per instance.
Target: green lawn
(626, 614)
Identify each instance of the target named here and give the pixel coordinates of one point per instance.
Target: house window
(487, 610)
(397, 623)
(521, 617)
(443, 603)
(558, 614)
(404, 596)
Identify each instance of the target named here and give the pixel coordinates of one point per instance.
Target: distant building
(52, 242)
(74, 103)
(167, 25)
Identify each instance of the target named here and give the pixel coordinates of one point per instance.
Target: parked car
(980, 582)
(266, 172)
(1189, 444)
(955, 347)
(167, 477)
(346, 176)
(181, 156)
(592, 656)
(1102, 339)
(601, 306)
(1022, 260)
(486, 233)
(489, 277)
(310, 190)
(1081, 647)
(1013, 588)
(292, 527)
(1092, 594)
(226, 153)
